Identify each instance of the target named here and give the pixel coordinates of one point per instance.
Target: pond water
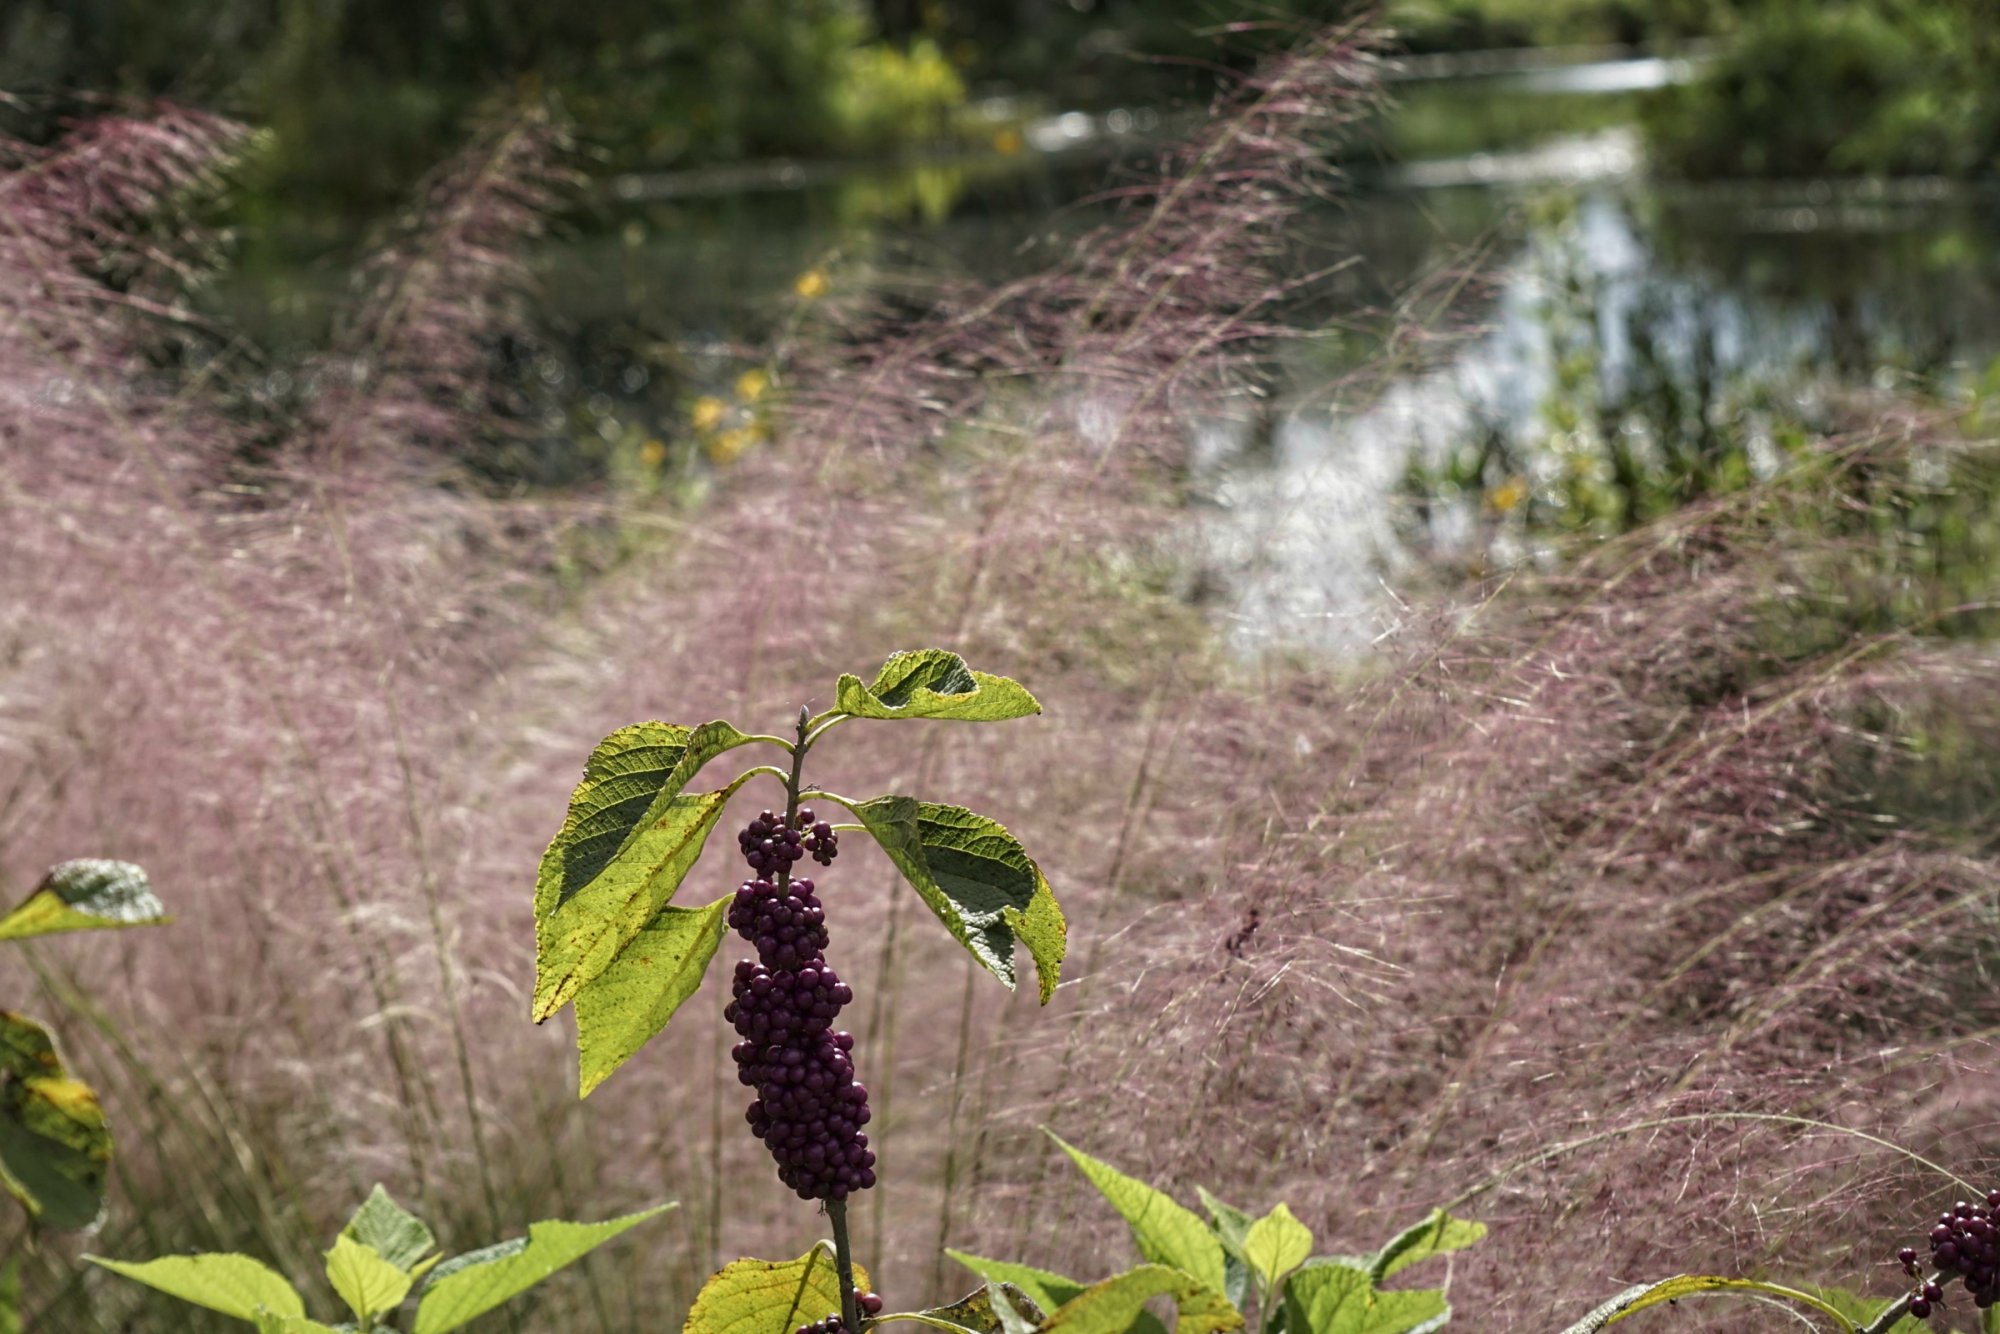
(1523, 189)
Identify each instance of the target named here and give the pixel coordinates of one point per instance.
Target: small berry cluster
(808, 1110)
(870, 1304)
(1964, 1244)
(771, 843)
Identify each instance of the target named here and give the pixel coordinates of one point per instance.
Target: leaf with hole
(977, 879)
(932, 683)
(89, 894)
(1340, 1299)
(623, 1007)
(1166, 1232)
(977, 1310)
(1642, 1296)
(468, 1286)
(769, 1296)
(235, 1285)
(55, 1149)
(631, 836)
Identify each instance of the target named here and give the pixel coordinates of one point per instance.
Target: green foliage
(931, 683)
(10, 1296)
(55, 1148)
(608, 937)
(769, 1296)
(1213, 1270)
(1810, 88)
(976, 878)
(374, 1263)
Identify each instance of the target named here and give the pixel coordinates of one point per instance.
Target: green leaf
(1276, 1244)
(1044, 1289)
(769, 1296)
(1435, 1235)
(1166, 1232)
(468, 1286)
(619, 1010)
(396, 1234)
(1859, 1311)
(1231, 1226)
(1113, 1306)
(297, 1324)
(55, 1149)
(369, 1284)
(85, 895)
(1636, 1299)
(629, 839)
(933, 683)
(976, 1311)
(977, 878)
(235, 1285)
(1018, 1313)
(1340, 1299)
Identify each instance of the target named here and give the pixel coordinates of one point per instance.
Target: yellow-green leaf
(85, 895)
(1111, 1307)
(629, 839)
(55, 1149)
(361, 1277)
(468, 1286)
(1276, 1244)
(1636, 1299)
(1167, 1233)
(977, 1311)
(769, 1296)
(1435, 1235)
(933, 683)
(235, 1285)
(1340, 1299)
(621, 1009)
(977, 879)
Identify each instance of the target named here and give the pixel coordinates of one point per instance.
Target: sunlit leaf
(467, 1286)
(619, 1010)
(1340, 1299)
(55, 1149)
(1860, 1311)
(1435, 1235)
(1276, 1244)
(85, 895)
(369, 1284)
(1167, 1233)
(629, 839)
(769, 1296)
(235, 1285)
(933, 683)
(396, 1234)
(977, 878)
(10, 1296)
(1112, 1306)
(1636, 1299)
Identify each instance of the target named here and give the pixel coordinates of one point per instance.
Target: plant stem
(1890, 1314)
(843, 1259)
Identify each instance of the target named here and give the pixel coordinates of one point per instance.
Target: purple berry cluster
(808, 1111)
(771, 843)
(1965, 1244)
(870, 1304)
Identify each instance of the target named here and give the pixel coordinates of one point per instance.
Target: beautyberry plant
(611, 941)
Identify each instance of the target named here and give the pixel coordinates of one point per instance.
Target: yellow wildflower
(810, 285)
(708, 413)
(1507, 496)
(750, 385)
